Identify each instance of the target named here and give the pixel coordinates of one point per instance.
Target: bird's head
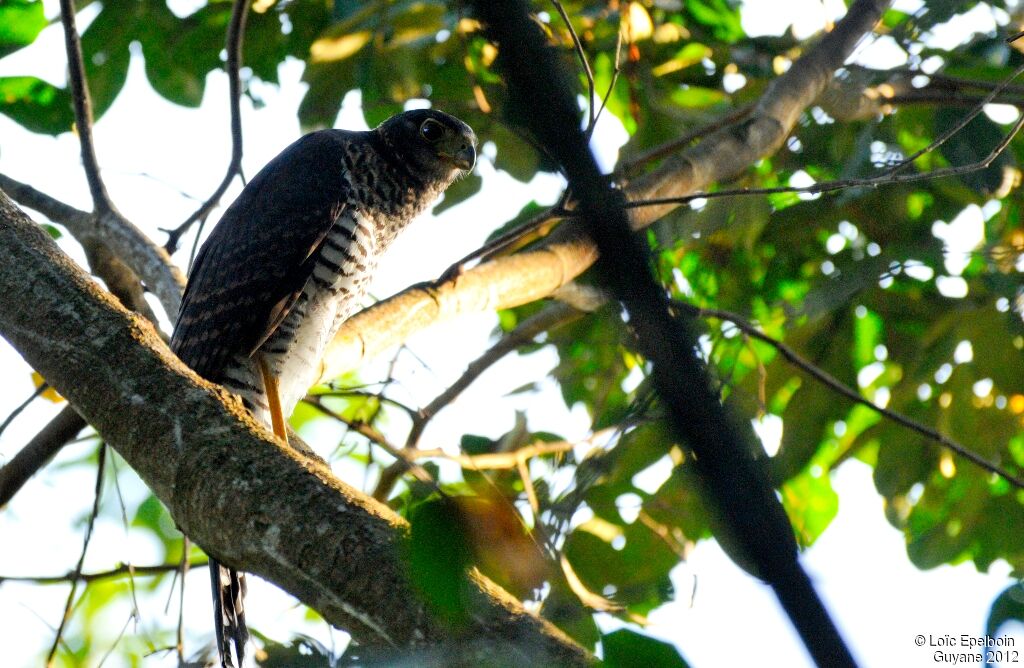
(432, 142)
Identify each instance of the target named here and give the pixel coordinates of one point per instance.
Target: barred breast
(341, 274)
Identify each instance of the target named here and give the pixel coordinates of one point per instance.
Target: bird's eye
(431, 130)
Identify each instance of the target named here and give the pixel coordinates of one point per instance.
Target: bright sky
(151, 151)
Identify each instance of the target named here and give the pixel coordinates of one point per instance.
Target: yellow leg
(273, 400)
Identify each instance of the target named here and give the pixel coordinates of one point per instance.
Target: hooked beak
(459, 149)
(465, 157)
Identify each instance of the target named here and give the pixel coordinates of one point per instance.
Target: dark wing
(258, 258)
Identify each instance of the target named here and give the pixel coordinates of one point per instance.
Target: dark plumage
(290, 260)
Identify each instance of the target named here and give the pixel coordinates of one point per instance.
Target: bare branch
(120, 571)
(584, 63)
(957, 127)
(236, 33)
(118, 253)
(38, 392)
(886, 178)
(83, 108)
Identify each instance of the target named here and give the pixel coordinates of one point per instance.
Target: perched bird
(290, 260)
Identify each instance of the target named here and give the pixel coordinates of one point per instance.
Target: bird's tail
(229, 613)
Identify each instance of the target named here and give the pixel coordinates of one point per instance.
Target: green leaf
(697, 97)
(20, 22)
(439, 554)
(105, 50)
(811, 503)
(628, 649)
(638, 568)
(153, 516)
(36, 105)
(514, 155)
(527, 213)
(472, 444)
(719, 16)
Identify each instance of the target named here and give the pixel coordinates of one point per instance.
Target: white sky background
(878, 598)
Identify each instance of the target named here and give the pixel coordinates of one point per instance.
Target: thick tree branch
(119, 253)
(147, 260)
(246, 498)
(534, 274)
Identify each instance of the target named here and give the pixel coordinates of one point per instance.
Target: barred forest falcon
(290, 260)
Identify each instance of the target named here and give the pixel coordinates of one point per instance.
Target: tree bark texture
(247, 499)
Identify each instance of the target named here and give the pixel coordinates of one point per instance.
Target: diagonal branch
(119, 253)
(246, 498)
(536, 273)
(837, 386)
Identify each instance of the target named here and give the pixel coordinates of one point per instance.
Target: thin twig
(370, 433)
(616, 70)
(960, 125)
(83, 108)
(552, 316)
(38, 392)
(525, 332)
(491, 461)
(584, 63)
(124, 524)
(236, 32)
(505, 242)
(844, 390)
(100, 468)
(117, 641)
(120, 571)
(349, 393)
(182, 571)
